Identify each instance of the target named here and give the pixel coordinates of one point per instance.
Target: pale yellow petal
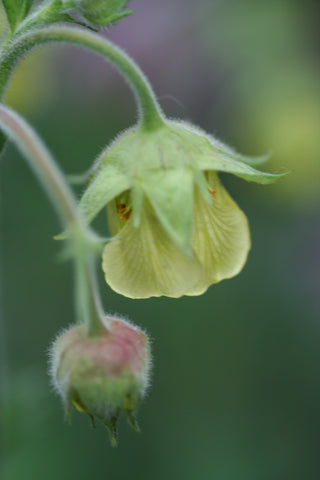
(144, 262)
(220, 237)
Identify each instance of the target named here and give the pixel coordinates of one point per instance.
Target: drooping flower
(176, 229)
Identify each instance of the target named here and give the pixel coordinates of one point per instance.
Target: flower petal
(221, 238)
(144, 262)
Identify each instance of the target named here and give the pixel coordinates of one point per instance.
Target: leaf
(13, 9)
(16, 11)
(28, 5)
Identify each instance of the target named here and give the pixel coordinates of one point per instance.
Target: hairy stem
(151, 116)
(82, 240)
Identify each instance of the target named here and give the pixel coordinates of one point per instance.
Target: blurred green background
(235, 390)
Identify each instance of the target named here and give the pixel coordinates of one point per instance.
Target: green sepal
(101, 13)
(28, 5)
(111, 425)
(222, 162)
(137, 205)
(202, 184)
(212, 154)
(252, 161)
(107, 184)
(81, 178)
(65, 17)
(57, 17)
(133, 421)
(118, 16)
(224, 149)
(170, 193)
(54, 13)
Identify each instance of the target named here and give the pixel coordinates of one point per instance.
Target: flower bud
(101, 12)
(102, 375)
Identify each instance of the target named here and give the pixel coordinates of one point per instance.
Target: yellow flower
(145, 262)
(176, 229)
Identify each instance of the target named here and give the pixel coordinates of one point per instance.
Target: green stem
(82, 239)
(88, 303)
(3, 346)
(151, 116)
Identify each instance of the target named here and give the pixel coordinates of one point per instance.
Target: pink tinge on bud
(102, 375)
(123, 347)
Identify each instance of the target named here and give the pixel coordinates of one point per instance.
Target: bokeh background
(236, 380)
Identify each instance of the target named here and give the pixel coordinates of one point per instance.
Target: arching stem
(151, 116)
(83, 242)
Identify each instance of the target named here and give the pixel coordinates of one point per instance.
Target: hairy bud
(103, 375)
(102, 12)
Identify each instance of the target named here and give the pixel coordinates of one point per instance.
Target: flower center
(213, 192)
(124, 211)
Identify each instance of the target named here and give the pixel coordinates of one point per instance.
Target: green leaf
(107, 184)
(13, 11)
(28, 5)
(222, 162)
(16, 11)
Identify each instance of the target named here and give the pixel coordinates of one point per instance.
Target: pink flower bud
(102, 375)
